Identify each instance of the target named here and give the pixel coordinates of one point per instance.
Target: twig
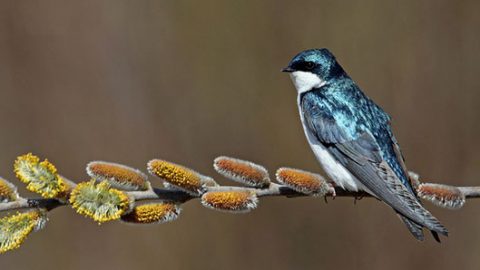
(48, 204)
(178, 196)
(470, 192)
(120, 192)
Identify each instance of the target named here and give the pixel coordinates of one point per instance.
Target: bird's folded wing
(380, 179)
(361, 156)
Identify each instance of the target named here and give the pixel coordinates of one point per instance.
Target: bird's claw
(332, 193)
(357, 198)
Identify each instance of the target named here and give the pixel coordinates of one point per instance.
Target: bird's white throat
(305, 81)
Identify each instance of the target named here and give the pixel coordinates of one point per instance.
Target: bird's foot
(331, 192)
(357, 198)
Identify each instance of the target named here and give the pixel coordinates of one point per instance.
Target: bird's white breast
(337, 173)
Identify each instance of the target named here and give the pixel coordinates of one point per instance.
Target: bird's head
(313, 68)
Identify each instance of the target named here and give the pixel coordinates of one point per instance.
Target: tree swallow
(352, 139)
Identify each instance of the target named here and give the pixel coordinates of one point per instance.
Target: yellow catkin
(242, 171)
(14, 229)
(302, 181)
(117, 175)
(40, 177)
(233, 201)
(179, 176)
(152, 213)
(99, 201)
(8, 192)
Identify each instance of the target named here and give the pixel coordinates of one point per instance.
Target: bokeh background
(187, 81)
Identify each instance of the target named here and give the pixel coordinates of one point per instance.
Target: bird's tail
(417, 230)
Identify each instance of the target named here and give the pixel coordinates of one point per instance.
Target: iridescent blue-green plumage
(355, 113)
(352, 138)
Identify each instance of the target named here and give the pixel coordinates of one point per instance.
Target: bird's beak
(287, 69)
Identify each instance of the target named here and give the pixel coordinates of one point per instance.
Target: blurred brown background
(186, 81)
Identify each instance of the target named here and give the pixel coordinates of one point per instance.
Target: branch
(120, 192)
(178, 196)
(470, 192)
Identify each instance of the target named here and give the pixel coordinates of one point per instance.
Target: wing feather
(362, 157)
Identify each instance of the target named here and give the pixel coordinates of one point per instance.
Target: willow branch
(470, 192)
(48, 204)
(118, 192)
(178, 196)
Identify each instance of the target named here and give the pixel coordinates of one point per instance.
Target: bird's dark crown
(319, 61)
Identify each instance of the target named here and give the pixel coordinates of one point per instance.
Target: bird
(352, 138)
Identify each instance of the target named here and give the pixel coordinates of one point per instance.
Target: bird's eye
(309, 65)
